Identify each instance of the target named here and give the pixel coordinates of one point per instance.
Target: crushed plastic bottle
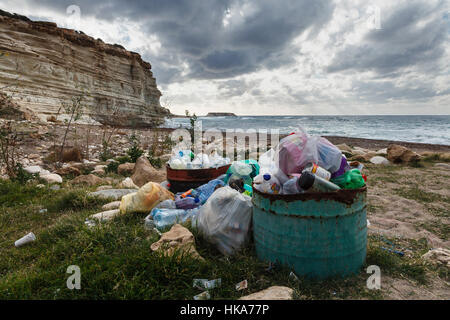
(163, 218)
(317, 170)
(267, 183)
(205, 191)
(187, 203)
(291, 186)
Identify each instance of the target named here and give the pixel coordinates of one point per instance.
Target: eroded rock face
(48, 65)
(398, 154)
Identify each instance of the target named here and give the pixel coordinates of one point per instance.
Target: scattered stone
(442, 165)
(51, 119)
(344, 147)
(55, 187)
(360, 158)
(106, 215)
(379, 160)
(125, 169)
(69, 170)
(71, 154)
(177, 237)
(128, 184)
(382, 151)
(40, 186)
(115, 194)
(52, 178)
(90, 180)
(144, 172)
(99, 172)
(111, 206)
(272, 293)
(439, 255)
(108, 187)
(399, 154)
(33, 169)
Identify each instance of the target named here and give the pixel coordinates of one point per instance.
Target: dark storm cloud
(414, 34)
(193, 32)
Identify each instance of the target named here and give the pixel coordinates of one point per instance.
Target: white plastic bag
(225, 219)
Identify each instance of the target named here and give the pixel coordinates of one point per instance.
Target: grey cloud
(193, 32)
(409, 37)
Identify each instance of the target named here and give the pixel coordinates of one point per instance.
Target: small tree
(8, 144)
(75, 110)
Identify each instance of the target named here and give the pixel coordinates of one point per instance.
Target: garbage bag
(145, 199)
(295, 151)
(225, 219)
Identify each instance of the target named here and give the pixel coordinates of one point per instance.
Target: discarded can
(207, 284)
(242, 285)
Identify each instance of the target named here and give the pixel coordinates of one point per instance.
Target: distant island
(221, 114)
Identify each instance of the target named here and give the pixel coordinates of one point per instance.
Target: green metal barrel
(318, 235)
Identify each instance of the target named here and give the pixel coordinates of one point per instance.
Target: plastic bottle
(309, 181)
(187, 203)
(267, 183)
(352, 179)
(167, 204)
(205, 191)
(291, 186)
(187, 193)
(318, 171)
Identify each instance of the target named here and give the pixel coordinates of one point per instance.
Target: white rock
(382, 151)
(111, 206)
(52, 178)
(128, 184)
(106, 215)
(33, 169)
(99, 167)
(272, 293)
(442, 165)
(44, 172)
(379, 160)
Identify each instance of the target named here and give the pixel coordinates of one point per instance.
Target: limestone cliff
(43, 66)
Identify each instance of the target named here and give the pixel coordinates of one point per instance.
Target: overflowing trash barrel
(183, 179)
(318, 235)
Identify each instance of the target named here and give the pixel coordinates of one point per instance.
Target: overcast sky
(277, 57)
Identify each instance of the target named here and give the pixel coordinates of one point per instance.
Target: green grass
(418, 194)
(116, 261)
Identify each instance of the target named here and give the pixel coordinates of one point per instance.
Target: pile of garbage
(186, 159)
(302, 163)
(221, 209)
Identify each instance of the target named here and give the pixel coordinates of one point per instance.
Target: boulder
(33, 169)
(272, 293)
(52, 178)
(379, 160)
(177, 237)
(399, 154)
(71, 154)
(125, 169)
(144, 172)
(90, 180)
(382, 151)
(64, 171)
(99, 172)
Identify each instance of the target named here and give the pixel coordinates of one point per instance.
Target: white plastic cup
(25, 239)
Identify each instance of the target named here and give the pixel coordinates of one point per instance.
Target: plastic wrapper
(295, 151)
(145, 199)
(225, 219)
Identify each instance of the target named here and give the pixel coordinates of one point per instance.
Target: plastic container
(318, 235)
(342, 169)
(267, 183)
(164, 218)
(291, 186)
(205, 191)
(187, 203)
(318, 171)
(352, 179)
(309, 181)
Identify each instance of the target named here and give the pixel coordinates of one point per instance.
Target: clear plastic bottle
(205, 191)
(291, 186)
(317, 170)
(267, 183)
(163, 218)
(309, 181)
(187, 203)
